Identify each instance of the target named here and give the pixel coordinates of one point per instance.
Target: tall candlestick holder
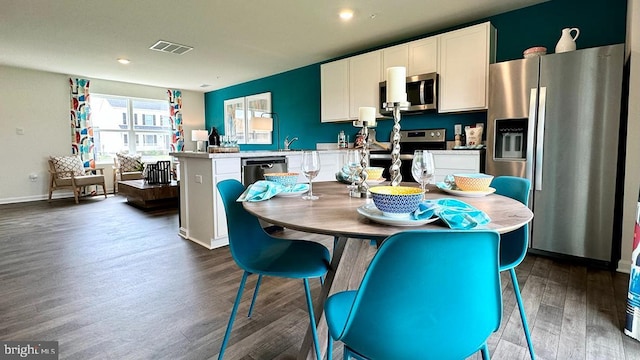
(396, 163)
(362, 190)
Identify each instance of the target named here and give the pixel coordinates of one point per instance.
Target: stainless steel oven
(410, 141)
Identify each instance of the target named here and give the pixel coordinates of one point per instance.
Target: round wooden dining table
(335, 213)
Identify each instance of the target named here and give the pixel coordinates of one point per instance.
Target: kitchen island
(202, 216)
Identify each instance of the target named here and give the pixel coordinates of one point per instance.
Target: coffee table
(144, 195)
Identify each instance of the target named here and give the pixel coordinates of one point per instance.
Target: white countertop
(263, 153)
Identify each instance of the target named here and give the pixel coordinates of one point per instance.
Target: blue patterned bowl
(396, 201)
(286, 179)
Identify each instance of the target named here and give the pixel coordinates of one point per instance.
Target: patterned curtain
(81, 129)
(175, 108)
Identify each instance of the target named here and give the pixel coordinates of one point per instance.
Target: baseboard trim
(624, 266)
(55, 195)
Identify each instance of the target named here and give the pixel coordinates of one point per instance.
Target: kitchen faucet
(287, 143)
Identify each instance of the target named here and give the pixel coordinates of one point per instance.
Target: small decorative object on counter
(214, 137)
(360, 140)
(474, 135)
(567, 42)
(342, 140)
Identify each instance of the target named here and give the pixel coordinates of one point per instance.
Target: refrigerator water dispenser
(510, 139)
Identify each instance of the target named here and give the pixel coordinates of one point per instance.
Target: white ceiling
(234, 40)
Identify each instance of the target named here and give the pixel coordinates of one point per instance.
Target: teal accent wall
(295, 94)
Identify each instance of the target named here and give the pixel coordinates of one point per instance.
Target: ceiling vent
(169, 47)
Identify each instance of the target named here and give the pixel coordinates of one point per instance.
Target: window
(240, 119)
(136, 126)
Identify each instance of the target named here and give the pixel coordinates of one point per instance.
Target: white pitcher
(567, 42)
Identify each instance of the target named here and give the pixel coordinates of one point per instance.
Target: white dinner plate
(292, 193)
(466, 193)
(375, 181)
(371, 212)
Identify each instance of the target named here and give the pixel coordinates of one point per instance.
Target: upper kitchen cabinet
(348, 84)
(334, 90)
(423, 56)
(465, 55)
(364, 81)
(394, 56)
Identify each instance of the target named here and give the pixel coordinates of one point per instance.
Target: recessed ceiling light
(123, 61)
(346, 14)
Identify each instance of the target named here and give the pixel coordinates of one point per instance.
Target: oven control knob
(438, 134)
(432, 134)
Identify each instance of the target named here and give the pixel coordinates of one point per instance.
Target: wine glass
(352, 160)
(422, 168)
(310, 169)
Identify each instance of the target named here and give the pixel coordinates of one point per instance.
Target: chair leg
(329, 347)
(104, 190)
(255, 295)
(346, 354)
(485, 352)
(312, 318)
(233, 315)
(523, 316)
(76, 193)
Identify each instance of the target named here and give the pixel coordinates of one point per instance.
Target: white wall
(632, 176)
(38, 102)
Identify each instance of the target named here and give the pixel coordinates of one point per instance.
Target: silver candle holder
(396, 163)
(362, 191)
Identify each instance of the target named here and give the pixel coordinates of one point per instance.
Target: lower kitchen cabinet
(456, 162)
(329, 165)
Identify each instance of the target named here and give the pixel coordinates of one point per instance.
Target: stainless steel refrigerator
(555, 120)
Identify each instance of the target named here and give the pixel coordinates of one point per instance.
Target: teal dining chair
(447, 312)
(257, 252)
(514, 244)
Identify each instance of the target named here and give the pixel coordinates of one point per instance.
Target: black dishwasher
(254, 168)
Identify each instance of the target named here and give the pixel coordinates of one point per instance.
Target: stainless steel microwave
(422, 93)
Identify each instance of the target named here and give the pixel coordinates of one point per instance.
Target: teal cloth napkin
(455, 213)
(265, 190)
(344, 177)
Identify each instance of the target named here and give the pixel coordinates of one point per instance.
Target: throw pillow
(129, 163)
(68, 163)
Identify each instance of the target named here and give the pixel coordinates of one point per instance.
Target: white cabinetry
(464, 56)
(224, 169)
(348, 84)
(334, 89)
(364, 80)
(329, 165)
(202, 215)
(395, 56)
(460, 57)
(423, 56)
(455, 162)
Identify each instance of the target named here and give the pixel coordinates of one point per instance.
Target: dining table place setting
(279, 184)
(406, 206)
(467, 185)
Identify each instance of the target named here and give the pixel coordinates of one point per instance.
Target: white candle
(396, 84)
(367, 114)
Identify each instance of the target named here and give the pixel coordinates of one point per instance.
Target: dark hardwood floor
(110, 281)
